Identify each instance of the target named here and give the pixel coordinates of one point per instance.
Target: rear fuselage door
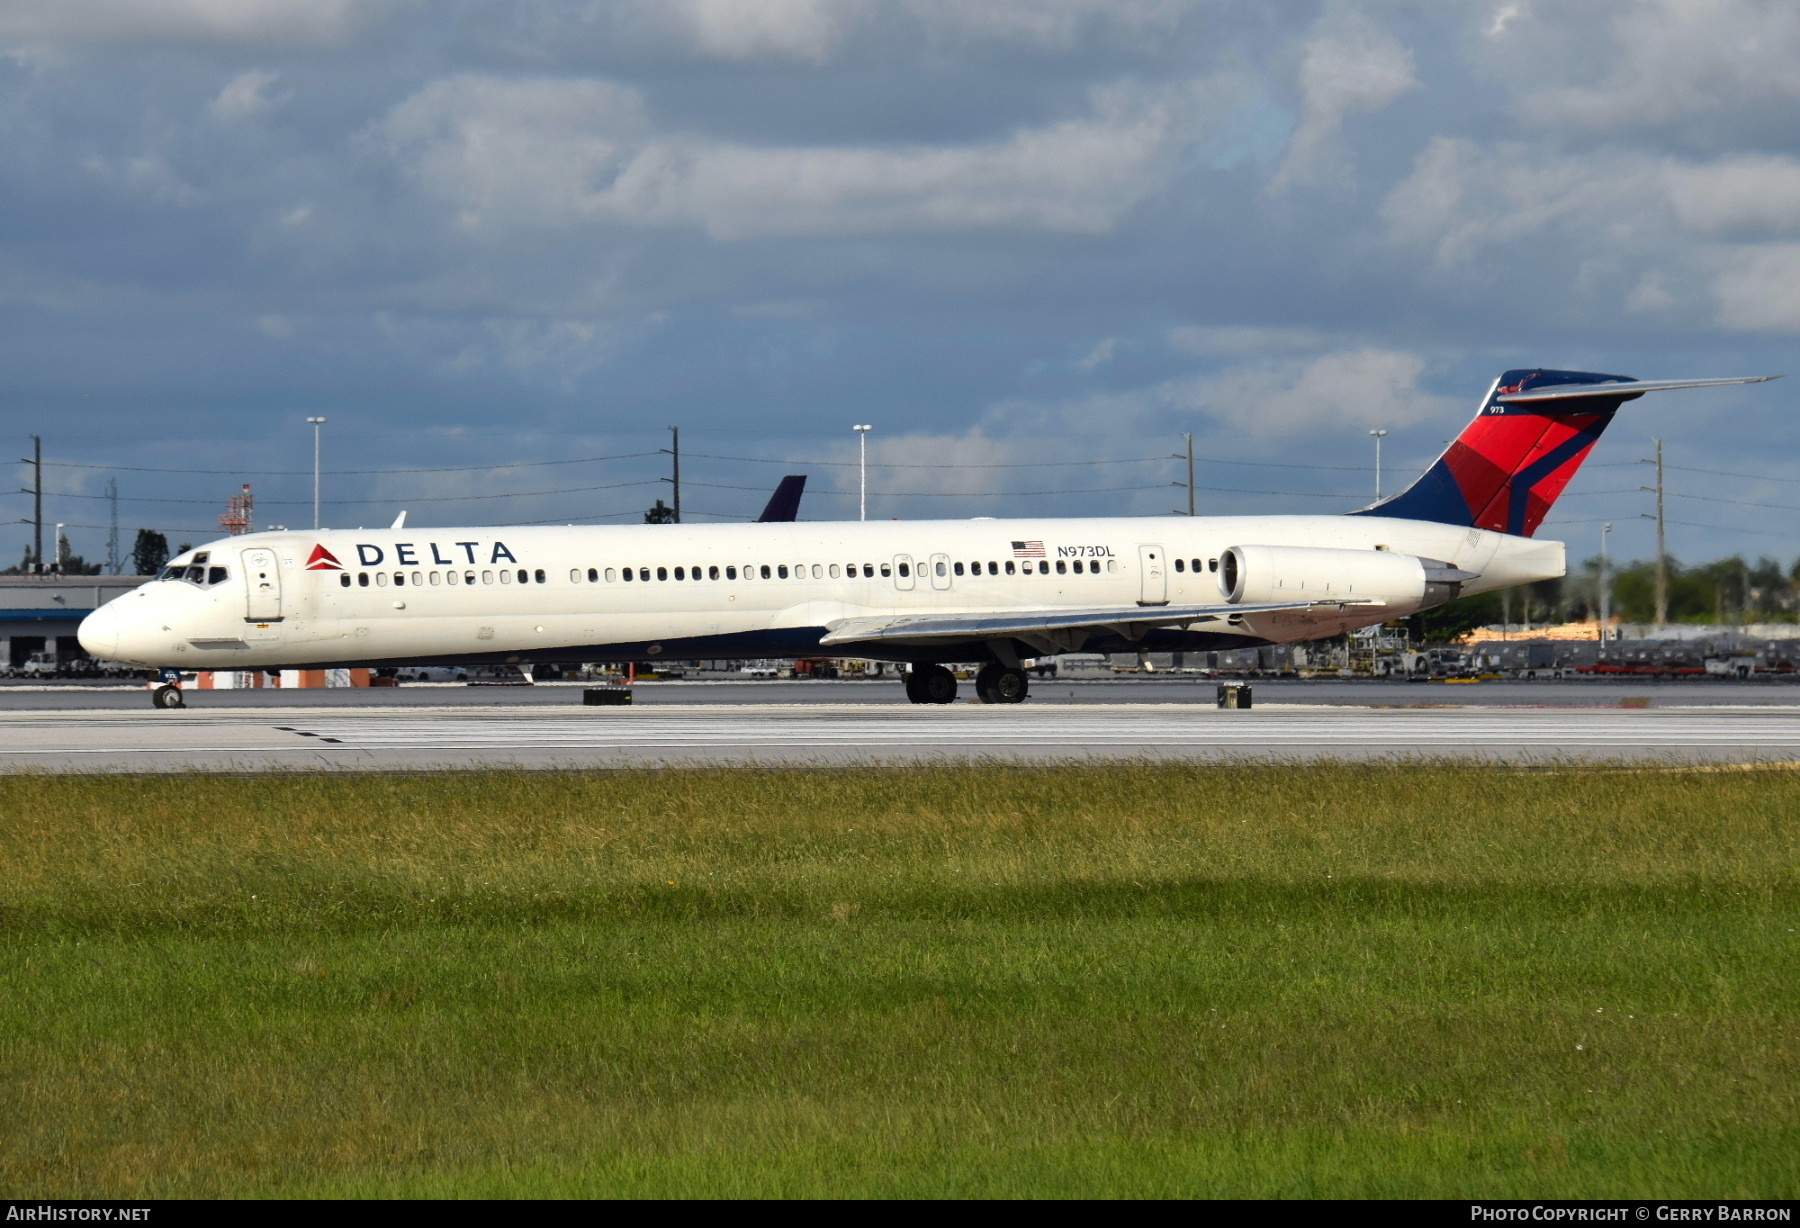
(940, 571)
(903, 571)
(262, 580)
(1153, 576)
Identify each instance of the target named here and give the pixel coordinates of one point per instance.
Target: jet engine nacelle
(1257, 574)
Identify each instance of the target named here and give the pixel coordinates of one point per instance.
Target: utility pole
(1662, 552)
(862, 439)
(1188, 456)
(674, 451)
(1605, 582)
(1379, 436)
(37, 503)
(316, 424)
(112, 525)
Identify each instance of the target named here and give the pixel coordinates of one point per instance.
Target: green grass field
(1435, 981)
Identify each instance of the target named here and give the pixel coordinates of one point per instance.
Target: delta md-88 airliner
(927, 593)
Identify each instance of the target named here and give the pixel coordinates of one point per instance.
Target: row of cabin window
(779, 571)
(421, 578)
(1195, 564)
(821, 571)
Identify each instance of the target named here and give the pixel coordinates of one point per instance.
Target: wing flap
(1027, 622)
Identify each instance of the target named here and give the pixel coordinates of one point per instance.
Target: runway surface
(1129, 689)
(695, 734)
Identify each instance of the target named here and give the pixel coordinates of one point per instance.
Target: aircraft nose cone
(99, 633)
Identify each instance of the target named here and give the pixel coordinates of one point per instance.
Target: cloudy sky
(1031, 242)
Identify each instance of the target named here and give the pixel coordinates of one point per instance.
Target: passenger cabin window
(731, 573)
(1062, 568)
(344, 579)
(506, 577)
(612, 575)
(1180, 564)
(539, 573)
(959, 570)
(679, 574)
(903, 569)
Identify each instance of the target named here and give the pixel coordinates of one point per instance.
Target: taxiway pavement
(570, 736)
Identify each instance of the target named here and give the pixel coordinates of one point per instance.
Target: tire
(1010, 686)
(931, 684)
(167, 697)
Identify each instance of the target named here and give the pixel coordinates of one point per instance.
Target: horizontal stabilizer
(1129, 620)
(1629, 388)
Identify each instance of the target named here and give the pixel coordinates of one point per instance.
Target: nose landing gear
(167, 696)
(930, 684)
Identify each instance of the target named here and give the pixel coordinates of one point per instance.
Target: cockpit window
(172, 573)
(216, 575)
(197, 574)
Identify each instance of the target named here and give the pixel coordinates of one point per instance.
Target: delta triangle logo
(323, 560)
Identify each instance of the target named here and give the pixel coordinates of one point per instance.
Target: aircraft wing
(1564, 392)
(1131, 621)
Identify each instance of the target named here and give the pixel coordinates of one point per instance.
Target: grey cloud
(1348, 67)
(224, 21)
(502, 152)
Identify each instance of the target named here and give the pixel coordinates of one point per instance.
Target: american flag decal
(1028, 550)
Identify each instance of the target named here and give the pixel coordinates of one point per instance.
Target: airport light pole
(1379, 436)
(862, 441)
(316, 424)
(59, 554)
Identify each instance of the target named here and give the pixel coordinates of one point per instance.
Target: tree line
(1724, 591)
(148, 554)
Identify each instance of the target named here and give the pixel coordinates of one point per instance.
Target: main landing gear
(167, 696)
(930, 684)
(995, 684)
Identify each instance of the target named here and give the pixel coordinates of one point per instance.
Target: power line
(517, 494)
(290, 473)
(1126, 460)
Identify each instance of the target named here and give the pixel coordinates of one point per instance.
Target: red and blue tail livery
(1535, 427)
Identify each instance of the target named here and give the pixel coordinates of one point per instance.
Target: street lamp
(1379, 435)
(316, 424)
(862, 440)
(57, 568)
(1605, 582)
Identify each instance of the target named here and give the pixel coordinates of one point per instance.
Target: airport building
(39, 614)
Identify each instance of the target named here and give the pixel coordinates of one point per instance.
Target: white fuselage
(751, 590)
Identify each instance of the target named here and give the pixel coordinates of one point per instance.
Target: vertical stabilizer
(1507, 468)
